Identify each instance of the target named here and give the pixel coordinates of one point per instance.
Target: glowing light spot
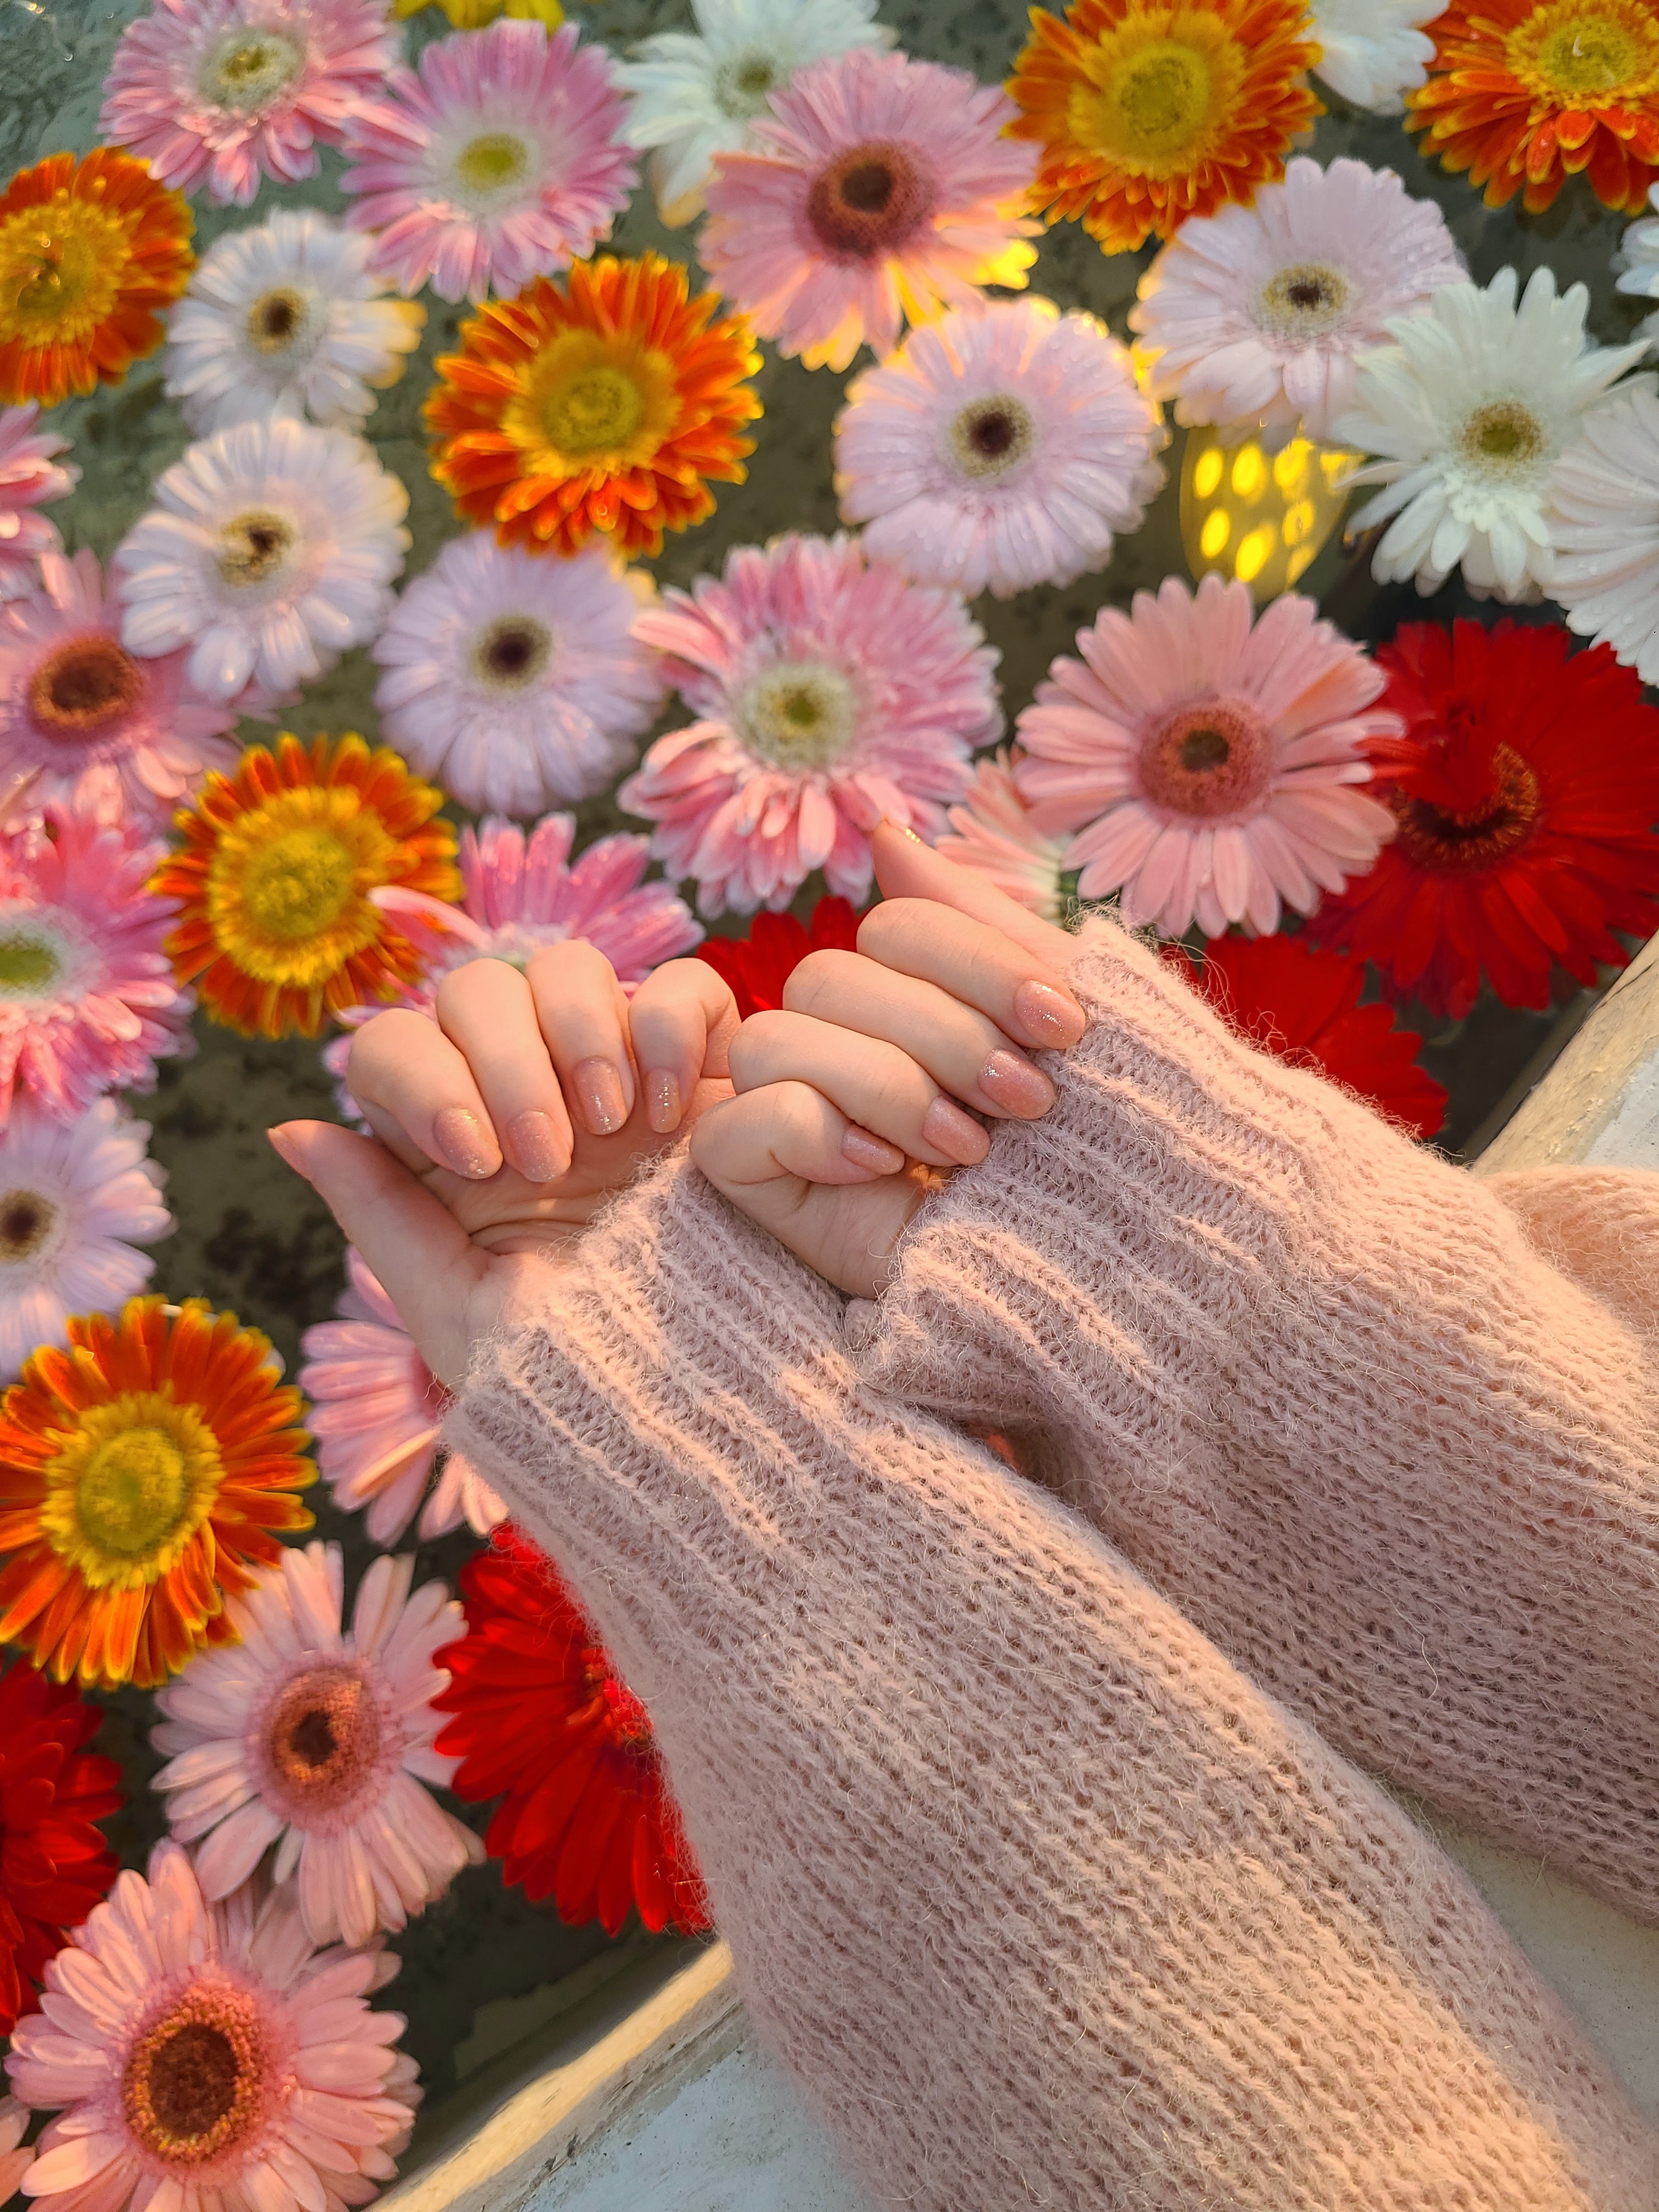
(1217, 529)
(1298, 521)
(1250, 472)
(1290, 468)
(1254, 554)
(1206, 477)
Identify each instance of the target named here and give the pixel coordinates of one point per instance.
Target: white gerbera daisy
(1372, 52)
(1637, 263)
(320, 1741)
(696, 97)
(270, 549)
(514, 680)
(286, 319)
(1607, 532)
(1470, 409)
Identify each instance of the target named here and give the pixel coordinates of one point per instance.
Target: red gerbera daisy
(1526, 790)
(54, 1865)
(759, 965)
(540, 1714)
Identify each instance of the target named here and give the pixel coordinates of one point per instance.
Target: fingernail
(597, 1084)
(460, 1136)
(537, 1148)
(904, 829)
(867, 1152)
(958, 1135)
(1009, 1081)
(284, 1149)
(1048, 1016)
(664, 1110)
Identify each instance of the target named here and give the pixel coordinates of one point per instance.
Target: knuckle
(812, 981)
(755, 1049)
(479, 982)
(556, 969)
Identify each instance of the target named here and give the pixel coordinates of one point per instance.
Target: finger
(796, 1132)
(906, 868)
(408, 1078)
(876, 1085)
(488, 1013)
(681, 1022)
(977, 963)
(584, 1018)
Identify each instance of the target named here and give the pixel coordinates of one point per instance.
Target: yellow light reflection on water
(1263, 518)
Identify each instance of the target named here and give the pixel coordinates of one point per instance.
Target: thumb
(906, 868)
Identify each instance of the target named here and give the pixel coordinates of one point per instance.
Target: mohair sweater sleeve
(1389, 1434)
(1043, 1903)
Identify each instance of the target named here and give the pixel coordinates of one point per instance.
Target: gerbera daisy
(1471, 407)
(1253, 316)
(884, 190)
(760, 963)
(286, 319)
(1605, 524)
(497, 163)
(84, 722)
(1148, 111)
(1207, 766)
(377, 1410)
(1635, 265)
(992, 831)
(54, 1865)
(143, 1473)
(829, 692)
(1371, 51)
(16, 2156)
(31, 476)
(1528, 93)
(76, 1200)
(88, 1000)
(270, 549)
(540, 1714)
(274, 877)
(88, 251)
(608, 403)
(210, 2057)
(696, 97)
(999, 447)
(223, 92)
(515, 681)
(1519, 845)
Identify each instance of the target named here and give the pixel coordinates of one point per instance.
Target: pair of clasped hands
(503, 1128)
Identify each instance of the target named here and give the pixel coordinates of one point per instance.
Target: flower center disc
(991, 436)
(247, 69)
(29, 966)
(594, 411)
(1590, 54)
(275, 319)
(194, 2084)
(1302, 301)
(256, 547)
(26, 1221)
(129, 1486)
(800, 715)
(299, 884)
(61, 267)
(511, 653)
(86, 682)
(1502, 439)
(1210, 759)
(741, 85)
(1461, 843)
(286, 888)
(872, 200)
(322, 1739)
(490, 163)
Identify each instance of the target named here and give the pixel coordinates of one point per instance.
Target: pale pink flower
(16, 2155)
(320, 2103)
(223, 92)
(1207, 766)
(497, 163)
(376, 1411)
(830, 692)
(993, 832)
(885, 189)
(30, 478)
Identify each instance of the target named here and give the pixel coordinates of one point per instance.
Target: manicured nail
(956, 1134)
(538, 1149)
(867, 1152)
(284, 1149)
(460, 1136)
(597, 1084)
(903, 829)
(664, 1108)
(1048, 1016)
(1009, 1080)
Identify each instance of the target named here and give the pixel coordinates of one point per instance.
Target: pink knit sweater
(1044, 1900)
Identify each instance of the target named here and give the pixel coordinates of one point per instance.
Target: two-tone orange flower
(144, 1470)
(277, 929)
(607, 402)
(1524, 94)
(89, 251)
(1148, 111)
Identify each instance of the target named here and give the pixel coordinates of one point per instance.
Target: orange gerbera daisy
(278, 927)
(1524, 94)
(1148, 111)
(605, 403)
(88, 251)
(144, 1470)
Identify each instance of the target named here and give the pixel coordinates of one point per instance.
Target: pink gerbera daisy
(210, 2057)
(497, 163)
(885, 190)
(226, 91)
(830, 692)
(16, 2155)
(85, 723)
(992, 831)
(30, 478)
(377, 1410)
(1207, 766)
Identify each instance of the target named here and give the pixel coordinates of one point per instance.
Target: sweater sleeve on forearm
(1598, 1227)
(1043, 1904)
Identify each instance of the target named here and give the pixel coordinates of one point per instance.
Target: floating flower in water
(211, 2057)
(516, 681)
(275, 921)
(271, 548)
(144, 1472)
(221, 92)
(759, 963)
(885, 189)
(608, 403)
(999, 447)
(694, 97)
(89, 251)
(1371, 51)
(377, 1410)
(993, 831)
(31, 476)
(1207, 766)
(497, 163)
(1146, 114)
(1519, 845)
(1252, 316)
(540, 1714)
